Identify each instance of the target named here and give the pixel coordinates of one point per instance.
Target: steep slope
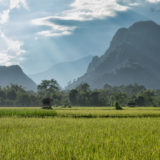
(133, 57)
(64, 72)
(15, 75)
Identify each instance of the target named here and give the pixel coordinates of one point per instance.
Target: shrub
(117, 106)
(47, 103)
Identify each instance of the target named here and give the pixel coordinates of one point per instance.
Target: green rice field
(80, 134)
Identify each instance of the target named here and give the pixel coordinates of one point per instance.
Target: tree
(13, 90)
(50, 89)
(131, 104)
(73, 96)
(140, 101)
(11, 94)
(117, 106)
(48, 86)
(107, 87)
(84, 87)
(94, 98)
(2, 93)
(23, 99)
(47, 103)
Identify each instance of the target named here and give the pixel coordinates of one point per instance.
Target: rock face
(133, 57)
(15, 75)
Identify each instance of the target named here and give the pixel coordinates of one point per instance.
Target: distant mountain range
(64, 72)
(133, 57)
(15, 75)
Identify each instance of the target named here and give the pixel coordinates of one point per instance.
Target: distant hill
(15, 75)
(133, 57)
(64, 72)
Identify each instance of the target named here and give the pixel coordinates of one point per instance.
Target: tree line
(129, 95)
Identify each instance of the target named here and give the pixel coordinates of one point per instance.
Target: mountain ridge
(133, 52)
(15, 75)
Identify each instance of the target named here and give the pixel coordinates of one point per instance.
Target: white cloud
(4, 16)
(86, 10)
(153, 1)
(93, 9)
(2, 2)
(10, 51)
(56, 30)
(18, 4)
(80, 10)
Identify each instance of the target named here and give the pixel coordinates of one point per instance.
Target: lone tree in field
(117, 106)
(49, 89)
(47, 103)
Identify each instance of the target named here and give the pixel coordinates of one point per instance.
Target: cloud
(80, 10)
(2, 2)
(153, 1)
(10, 51)
(4, 16)
(84, 10)
(18, 4)
(56, 30)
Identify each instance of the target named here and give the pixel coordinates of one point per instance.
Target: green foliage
(84, 87)
(117, 106)
(73, 96)
(83, 95)
(46, 103)
(50, 89)
(135, 94)
(48, 86)
(15, 95)
(67, 104)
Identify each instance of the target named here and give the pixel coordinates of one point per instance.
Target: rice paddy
(80, 134)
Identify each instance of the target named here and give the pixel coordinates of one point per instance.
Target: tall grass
(79, 139)
(80, 113)
(27, 113)
(108, 113)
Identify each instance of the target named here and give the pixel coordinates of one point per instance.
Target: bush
(47, 103)
(117, 106)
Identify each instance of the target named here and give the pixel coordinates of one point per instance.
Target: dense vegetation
(130, 95)
(15, 95)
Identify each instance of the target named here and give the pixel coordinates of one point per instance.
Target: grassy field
(80, 134)
(26, 112)
(109, 113)
(81, 112)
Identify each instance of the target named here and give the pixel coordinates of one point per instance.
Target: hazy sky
(39, 33)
